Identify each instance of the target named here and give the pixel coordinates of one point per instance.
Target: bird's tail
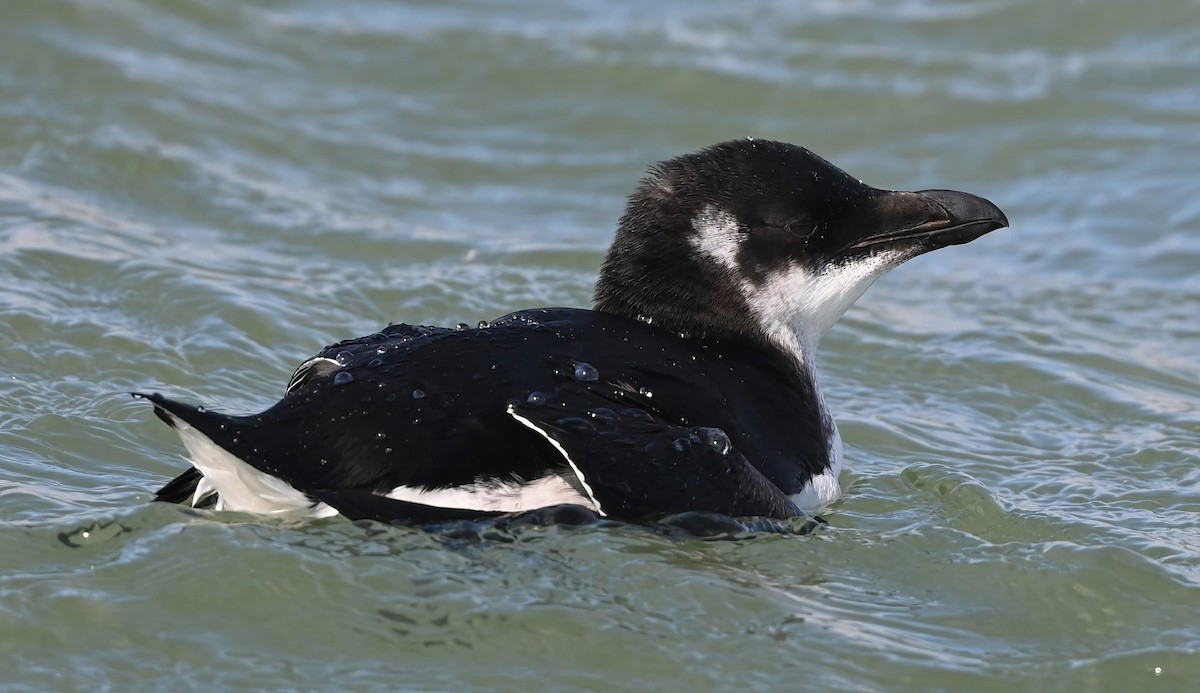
(227, 475)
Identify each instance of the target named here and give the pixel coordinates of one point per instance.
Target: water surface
(194, 197)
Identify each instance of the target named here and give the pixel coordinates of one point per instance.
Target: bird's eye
(787, 219)
(800, 228)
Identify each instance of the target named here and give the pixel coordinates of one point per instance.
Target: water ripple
(195, 197)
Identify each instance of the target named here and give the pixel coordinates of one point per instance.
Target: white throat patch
(797, 306)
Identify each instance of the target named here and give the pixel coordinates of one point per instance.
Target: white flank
(594, 504)
(823, 489)
(818, 493)
(497, 496)
(239, 486)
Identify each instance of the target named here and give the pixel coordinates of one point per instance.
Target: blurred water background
(195, 195)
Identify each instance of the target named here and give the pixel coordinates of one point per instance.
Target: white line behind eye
(717, 236)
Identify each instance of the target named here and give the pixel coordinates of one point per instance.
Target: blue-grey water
(195, 196)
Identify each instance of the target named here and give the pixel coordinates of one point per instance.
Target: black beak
(930, 219)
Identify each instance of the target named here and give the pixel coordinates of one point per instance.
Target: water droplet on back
(639, 414)
(343, 358)
(577, 424)
(374, 363)
(418, 394)
(585, 372)
(536, 399)
(462, 326)
(342, 378)
(483, 325)
(604, 415)
(714, 438)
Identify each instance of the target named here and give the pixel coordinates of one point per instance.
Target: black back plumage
(429, 407)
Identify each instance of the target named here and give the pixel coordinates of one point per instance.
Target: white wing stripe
(578, 474)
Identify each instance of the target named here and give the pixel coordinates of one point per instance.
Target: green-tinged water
(195, 196)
